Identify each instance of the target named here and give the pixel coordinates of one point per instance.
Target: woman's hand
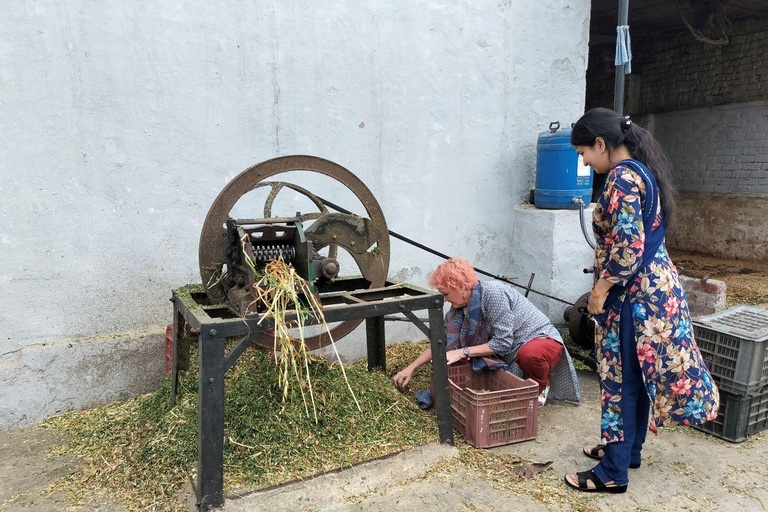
(453, 356)
(596, 304)
(403, 377)
(597, 297)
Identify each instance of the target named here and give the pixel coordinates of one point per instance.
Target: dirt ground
(746, 280)
(27, 470)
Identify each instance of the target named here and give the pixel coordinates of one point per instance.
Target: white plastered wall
(123, 120)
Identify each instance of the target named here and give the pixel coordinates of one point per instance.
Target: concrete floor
(682, 470)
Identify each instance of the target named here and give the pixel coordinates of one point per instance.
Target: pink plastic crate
(507, 412)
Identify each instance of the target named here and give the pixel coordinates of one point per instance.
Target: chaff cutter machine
(224, 306)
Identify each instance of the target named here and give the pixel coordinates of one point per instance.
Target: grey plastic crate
(733, 344)
(739, 416)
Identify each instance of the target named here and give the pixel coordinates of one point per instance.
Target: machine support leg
(440, 375)
(377, 351)
(210, 452)
(178, 325)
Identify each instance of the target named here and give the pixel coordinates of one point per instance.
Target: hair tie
(625, 124)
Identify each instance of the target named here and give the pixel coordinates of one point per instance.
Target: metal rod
(395, 318)
(417, 244)
(446, 257)
(618, 86)
(530, 282)
(242, 345)
(417, 322)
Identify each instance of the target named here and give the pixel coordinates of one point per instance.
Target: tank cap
(554, 126)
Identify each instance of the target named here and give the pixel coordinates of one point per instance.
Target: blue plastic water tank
(561, 176)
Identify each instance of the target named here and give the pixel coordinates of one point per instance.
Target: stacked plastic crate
(733, 344)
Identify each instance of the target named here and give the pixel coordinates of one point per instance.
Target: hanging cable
(445, 256)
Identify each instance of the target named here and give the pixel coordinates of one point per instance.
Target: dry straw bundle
(289, 303)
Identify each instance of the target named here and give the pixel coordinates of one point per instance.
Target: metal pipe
(530, 282)
(618, 86)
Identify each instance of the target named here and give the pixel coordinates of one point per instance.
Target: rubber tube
(581, 220)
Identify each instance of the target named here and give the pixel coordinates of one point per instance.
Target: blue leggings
(635, 407)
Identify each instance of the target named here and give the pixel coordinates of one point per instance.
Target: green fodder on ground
(401, 355)
(141, 451)
(579, 354)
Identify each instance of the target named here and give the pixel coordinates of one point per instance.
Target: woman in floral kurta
(647, 357)
(676, 379)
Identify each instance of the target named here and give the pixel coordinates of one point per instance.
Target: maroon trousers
(537, 357)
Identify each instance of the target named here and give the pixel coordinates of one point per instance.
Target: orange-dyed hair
(456, 273)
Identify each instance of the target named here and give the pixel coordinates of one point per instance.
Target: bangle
(598, 295)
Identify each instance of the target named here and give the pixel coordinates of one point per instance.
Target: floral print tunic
(678, 382)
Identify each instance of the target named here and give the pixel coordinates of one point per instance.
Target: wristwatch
(466, 353)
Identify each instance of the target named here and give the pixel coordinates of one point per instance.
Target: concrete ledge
(550, 244)
(43, 380)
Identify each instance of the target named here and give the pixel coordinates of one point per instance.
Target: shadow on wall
(720, 224)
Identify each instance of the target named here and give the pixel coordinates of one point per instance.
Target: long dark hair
(615, 131)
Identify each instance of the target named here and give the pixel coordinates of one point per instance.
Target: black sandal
(594, 453)
(586, 476)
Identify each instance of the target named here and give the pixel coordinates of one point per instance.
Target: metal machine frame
(214, 323)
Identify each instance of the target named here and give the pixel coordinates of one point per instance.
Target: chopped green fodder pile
(140, 452)
(578, 353)
(401, 355)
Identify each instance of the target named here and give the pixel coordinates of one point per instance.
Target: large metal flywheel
(365, 238)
